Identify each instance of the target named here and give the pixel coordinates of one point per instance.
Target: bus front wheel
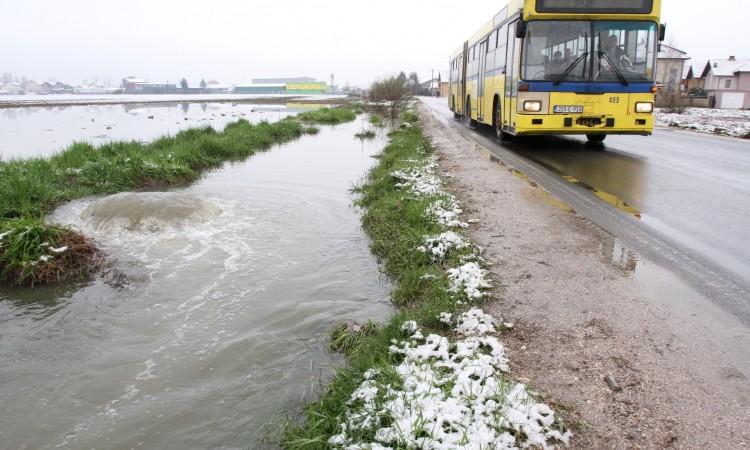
(596, 138)
(499, 133)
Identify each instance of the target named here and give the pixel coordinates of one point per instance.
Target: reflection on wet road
(682, 199)
(691, 187)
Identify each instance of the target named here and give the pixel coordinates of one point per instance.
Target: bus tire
(596, 138)
(497, 122)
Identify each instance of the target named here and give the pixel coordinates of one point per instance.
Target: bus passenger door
(480, 80)
(464, 58)
(510, 77)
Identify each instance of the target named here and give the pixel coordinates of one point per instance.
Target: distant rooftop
(727, 67)
(135, 80)
(668, 52)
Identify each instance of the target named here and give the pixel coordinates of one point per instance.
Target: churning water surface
(218, 326)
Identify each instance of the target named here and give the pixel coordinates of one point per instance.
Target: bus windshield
(599, 51)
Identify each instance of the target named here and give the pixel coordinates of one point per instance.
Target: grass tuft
(365, 134)
(32, 252)
(348, 337)
(330, 116)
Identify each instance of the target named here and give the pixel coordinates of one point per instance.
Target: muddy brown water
(220, 329)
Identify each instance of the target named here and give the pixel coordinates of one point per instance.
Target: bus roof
(560, 13)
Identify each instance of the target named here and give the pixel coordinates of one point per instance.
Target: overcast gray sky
(234, 40)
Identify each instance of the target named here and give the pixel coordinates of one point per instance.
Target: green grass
(30, 188)
(396, 223)
(376, 120)
(365, 134)
(330, 116)
(32, 252)
(347, 337)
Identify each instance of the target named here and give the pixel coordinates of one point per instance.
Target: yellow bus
(561, 67)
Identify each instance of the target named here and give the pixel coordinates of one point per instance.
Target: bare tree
(392, 91)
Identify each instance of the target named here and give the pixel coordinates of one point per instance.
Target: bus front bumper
(540, 124)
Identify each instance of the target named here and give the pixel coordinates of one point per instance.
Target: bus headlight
(644, 107)
(532, 106)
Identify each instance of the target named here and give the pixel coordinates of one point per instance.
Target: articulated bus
(561, 67)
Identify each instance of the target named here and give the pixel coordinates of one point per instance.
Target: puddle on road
(538, 192)
(613, 200)
(234, 283)
(665, 288)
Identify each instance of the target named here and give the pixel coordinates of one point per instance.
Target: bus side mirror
(520, 29)
(662, 31)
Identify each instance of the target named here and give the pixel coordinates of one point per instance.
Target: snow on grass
(715, 121)
(475, 322)
(470, 278)
(439, 246)
(445, 392)
(420, 179)
(448, 395)
(446, 212)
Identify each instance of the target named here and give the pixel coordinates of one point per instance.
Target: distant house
(32, 87)
(12, 88)
(217, 88)
(135, 85)
(670, 67)
(61, 88)
(728, 83)
(430, 87)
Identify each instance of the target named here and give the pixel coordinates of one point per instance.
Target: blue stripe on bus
(589, 88)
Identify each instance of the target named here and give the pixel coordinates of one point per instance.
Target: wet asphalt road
(679, 199)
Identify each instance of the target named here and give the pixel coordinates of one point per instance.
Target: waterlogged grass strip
(32, 187)
(435, 376)
(34, 253)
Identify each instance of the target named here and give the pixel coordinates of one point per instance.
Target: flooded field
(42, 131)
(213, 321)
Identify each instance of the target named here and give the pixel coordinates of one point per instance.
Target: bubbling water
(149, 211)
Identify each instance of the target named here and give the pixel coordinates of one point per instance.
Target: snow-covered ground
(715, 121)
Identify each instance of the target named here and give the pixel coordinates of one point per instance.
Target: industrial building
(261, 88)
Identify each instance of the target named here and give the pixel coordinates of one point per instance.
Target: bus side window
(502, 43)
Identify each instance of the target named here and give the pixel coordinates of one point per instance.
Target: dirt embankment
(625, 371)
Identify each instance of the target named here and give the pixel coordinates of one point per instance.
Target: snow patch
(420, 180)
(454, 396)
(470, 278)
(446, 212)
(475, 322)
(714, 121)
(439, 246)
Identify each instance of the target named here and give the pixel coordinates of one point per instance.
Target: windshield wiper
(570, 68)
(617, 70)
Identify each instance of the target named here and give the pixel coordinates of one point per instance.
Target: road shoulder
(630, 372)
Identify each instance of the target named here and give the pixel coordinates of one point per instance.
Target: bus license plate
(568, 109)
